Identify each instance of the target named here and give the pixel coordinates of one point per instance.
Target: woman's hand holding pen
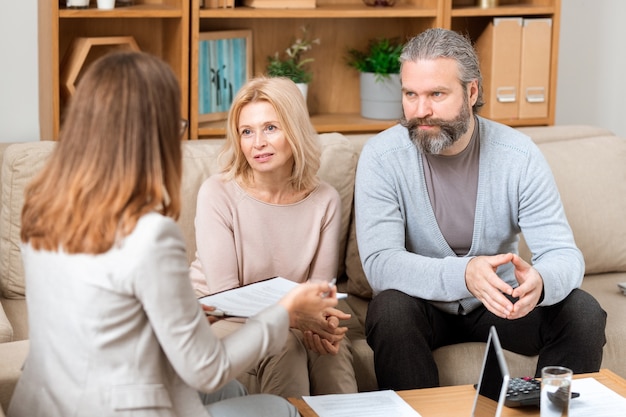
(308, 300)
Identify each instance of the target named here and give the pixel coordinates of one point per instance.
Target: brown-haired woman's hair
(293, 115)
(118, 158)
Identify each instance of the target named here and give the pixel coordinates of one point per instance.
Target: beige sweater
(241, 240)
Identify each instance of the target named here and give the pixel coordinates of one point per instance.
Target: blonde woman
(268, 214)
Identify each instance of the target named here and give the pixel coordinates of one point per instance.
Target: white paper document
(251, 299)
(595, 400)
(363, 404)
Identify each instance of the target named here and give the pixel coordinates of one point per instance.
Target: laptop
(493, 383)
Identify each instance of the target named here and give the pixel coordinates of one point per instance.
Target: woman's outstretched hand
(309, 300)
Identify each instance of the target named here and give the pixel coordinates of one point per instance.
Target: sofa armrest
(12, 357)
(6, 330)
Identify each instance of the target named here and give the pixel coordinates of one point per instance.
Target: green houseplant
(379, 68)
(293, 65)
(382, 57)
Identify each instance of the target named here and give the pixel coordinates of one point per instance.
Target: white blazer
(122, 333)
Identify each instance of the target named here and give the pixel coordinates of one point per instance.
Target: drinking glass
(556, 391)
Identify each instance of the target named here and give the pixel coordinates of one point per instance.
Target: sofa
(589, 166)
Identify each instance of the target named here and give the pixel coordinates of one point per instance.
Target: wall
(592, 57)
(19, 111)
(590, 87)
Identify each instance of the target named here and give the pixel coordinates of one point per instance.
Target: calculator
(525, 391)
(522, 392)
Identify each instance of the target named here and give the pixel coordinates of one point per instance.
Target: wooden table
(458, 400)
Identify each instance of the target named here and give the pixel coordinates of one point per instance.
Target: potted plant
(380, 88)
(293, 65)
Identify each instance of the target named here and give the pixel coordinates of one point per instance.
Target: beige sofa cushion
(338, 167)
(357, 282)
(21, 162)
(13, 356)
(541, 134)
(604, 288)
(6, 329)
(591, 177)
(199, 163)
(16, 311)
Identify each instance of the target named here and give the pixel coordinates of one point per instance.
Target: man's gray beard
(450, 131)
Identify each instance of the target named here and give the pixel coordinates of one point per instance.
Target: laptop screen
(493, 381)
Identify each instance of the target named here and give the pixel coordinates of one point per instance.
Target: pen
(331, 284)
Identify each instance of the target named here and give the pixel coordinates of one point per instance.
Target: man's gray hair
(443, 43)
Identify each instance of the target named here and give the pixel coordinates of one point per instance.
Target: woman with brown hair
(115, 328)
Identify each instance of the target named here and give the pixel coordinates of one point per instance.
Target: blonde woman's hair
(118, 158)
(288, 102)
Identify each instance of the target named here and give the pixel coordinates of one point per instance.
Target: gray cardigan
(401, 246)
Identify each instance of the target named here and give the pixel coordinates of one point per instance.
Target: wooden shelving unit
(333, 98)
(171, 30)
(160, 27)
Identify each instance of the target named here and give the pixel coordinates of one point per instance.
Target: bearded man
(441, 199)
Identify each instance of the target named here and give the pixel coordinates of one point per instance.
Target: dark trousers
(403, 331)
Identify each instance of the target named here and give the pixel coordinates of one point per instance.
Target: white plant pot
(81, 4)
(106, 4)
(381, 99)
(304, 89)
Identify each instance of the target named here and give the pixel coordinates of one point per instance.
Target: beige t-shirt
(241, 240)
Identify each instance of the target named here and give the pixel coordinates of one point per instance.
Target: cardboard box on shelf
(498, 48)
(535, 67)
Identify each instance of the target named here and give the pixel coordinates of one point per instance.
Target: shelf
(158, 27)
(511, 10)
(323, 123)
(322, 12)
(349, 123)
(543, 121)
(142, 10)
